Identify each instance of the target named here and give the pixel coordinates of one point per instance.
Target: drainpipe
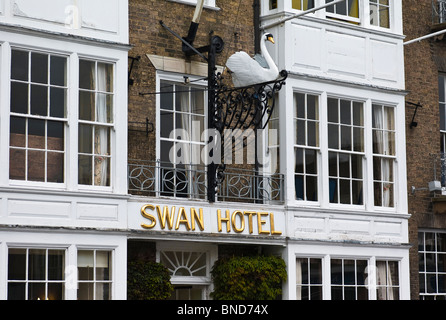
(256, 6)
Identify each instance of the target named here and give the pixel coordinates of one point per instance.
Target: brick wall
(423, 61)
(233, 22)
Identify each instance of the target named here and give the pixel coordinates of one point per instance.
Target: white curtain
(101, 133)
(381, 136)
(384, 278)
(299, 278)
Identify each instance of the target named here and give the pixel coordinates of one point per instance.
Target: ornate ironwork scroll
(239, 109)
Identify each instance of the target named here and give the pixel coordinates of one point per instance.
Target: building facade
(425, 67)
(63, 149)
(342, 148)
(104, 118)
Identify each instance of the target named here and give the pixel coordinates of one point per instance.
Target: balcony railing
(439, 168)
(157, 179)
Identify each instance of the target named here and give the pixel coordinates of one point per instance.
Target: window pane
(17, 164)
(311, 187)
(16, 291)
(36, 264)
(101, 171)
(103, 265)
(299, 165)
(58, 102)
(85, 170)
(85, 264)
(103, 291)
(104, 108)
(39, 100)
(333, 110)
(197, 102)
(336, 271)
(313, 130)
(102, 140)
(36, 134)
(346, 138)
(310, 161)
(36, 165)
(87, 102)
(18, 130)
(19, 65)
(56, 264)
(345, 112)
(55, 135)
(166, 96)
(315, 271)
(55, 167)
(85, 291)
(333, 136)
(19, 97)
(182, 98)
(441, 242)
(333, 164)
(105, 77)
(36, 291)
(85, 138)
(39, 68)
(87, 75)
(358, 116)
(58, 71)
(299, 105)
(55, 291)
(166, 124)
(16, 264)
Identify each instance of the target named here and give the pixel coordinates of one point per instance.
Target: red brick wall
(233, 22)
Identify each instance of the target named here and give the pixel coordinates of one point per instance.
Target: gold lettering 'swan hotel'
(75, 207)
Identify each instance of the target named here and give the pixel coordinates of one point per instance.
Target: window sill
(60, 191)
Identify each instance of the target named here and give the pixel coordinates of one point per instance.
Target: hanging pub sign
(212, 219)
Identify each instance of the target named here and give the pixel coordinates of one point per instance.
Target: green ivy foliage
(248, 278)
(147, 280)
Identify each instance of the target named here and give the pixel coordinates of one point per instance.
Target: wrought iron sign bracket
(229, 108)
(413, 123)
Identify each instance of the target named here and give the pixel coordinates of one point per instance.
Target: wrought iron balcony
(439, 168)
(157, 179)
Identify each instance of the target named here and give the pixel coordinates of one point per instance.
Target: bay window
(347, 278)
(38, 116)
(40, 85)
(344, 153)
(375, 13)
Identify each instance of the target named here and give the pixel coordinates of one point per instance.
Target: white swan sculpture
(247, 71)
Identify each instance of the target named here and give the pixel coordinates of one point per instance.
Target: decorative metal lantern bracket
(230, 108)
